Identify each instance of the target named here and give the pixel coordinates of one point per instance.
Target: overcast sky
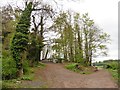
(103, 12)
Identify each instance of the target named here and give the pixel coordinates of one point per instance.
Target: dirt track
(57, 76)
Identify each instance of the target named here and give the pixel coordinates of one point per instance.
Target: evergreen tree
(20, 39)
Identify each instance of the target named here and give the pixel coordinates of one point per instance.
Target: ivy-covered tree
(20, 39)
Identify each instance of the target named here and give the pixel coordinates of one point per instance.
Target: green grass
(41, 65)
(10, 83)
(112, 67)
(0, 84)
(28, 77)
(82, 70)
(71, 66)
(15, 83)
(114, 73)
(115, 76)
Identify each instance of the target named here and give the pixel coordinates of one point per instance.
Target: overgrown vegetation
(28, 76)
(111, 66)
(8, 68)
(79, 68)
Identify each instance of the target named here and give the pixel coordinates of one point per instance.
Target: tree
(95, 40)
(63, 26)
(78, 39)
(42, 12)
(20, 39)
(10, 17)
(60, 25)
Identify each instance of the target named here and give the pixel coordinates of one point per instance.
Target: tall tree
(42, 12)
(10, 17)
(81, 43)
(20, 39)
(78, 39)
(95, 40)
(59, 27)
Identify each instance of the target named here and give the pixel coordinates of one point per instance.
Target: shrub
(8, 68)
(26, 68)
(76, 67)
(112, 65)
(30, 78)
(71, 66)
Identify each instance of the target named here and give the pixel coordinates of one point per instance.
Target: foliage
(34, 48)
(8, 68)
(111, 66)
(79, 38)
(15, 83)
(26, 67)
(114, 73)
(8, 84)
(41, 64)
(20, 39)
(10, 17)
(28, 77)
(79, 68)
(71, 66)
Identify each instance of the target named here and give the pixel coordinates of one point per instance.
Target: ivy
(20, 39)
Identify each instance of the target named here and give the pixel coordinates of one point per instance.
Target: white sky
(103, 12)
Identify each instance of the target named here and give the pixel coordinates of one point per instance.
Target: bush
(71, 66)
(27, 77)
(8, 68)
(112, 65)
(79, 68)
(26, 68)
(41, 64)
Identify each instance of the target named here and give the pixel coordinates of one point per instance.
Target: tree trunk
(80, 45)
(20, 69)
(46, 54)
(86, 47)
(20, 72)
(65, 54)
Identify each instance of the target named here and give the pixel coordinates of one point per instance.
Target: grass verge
(15, 83)
(82, 69)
